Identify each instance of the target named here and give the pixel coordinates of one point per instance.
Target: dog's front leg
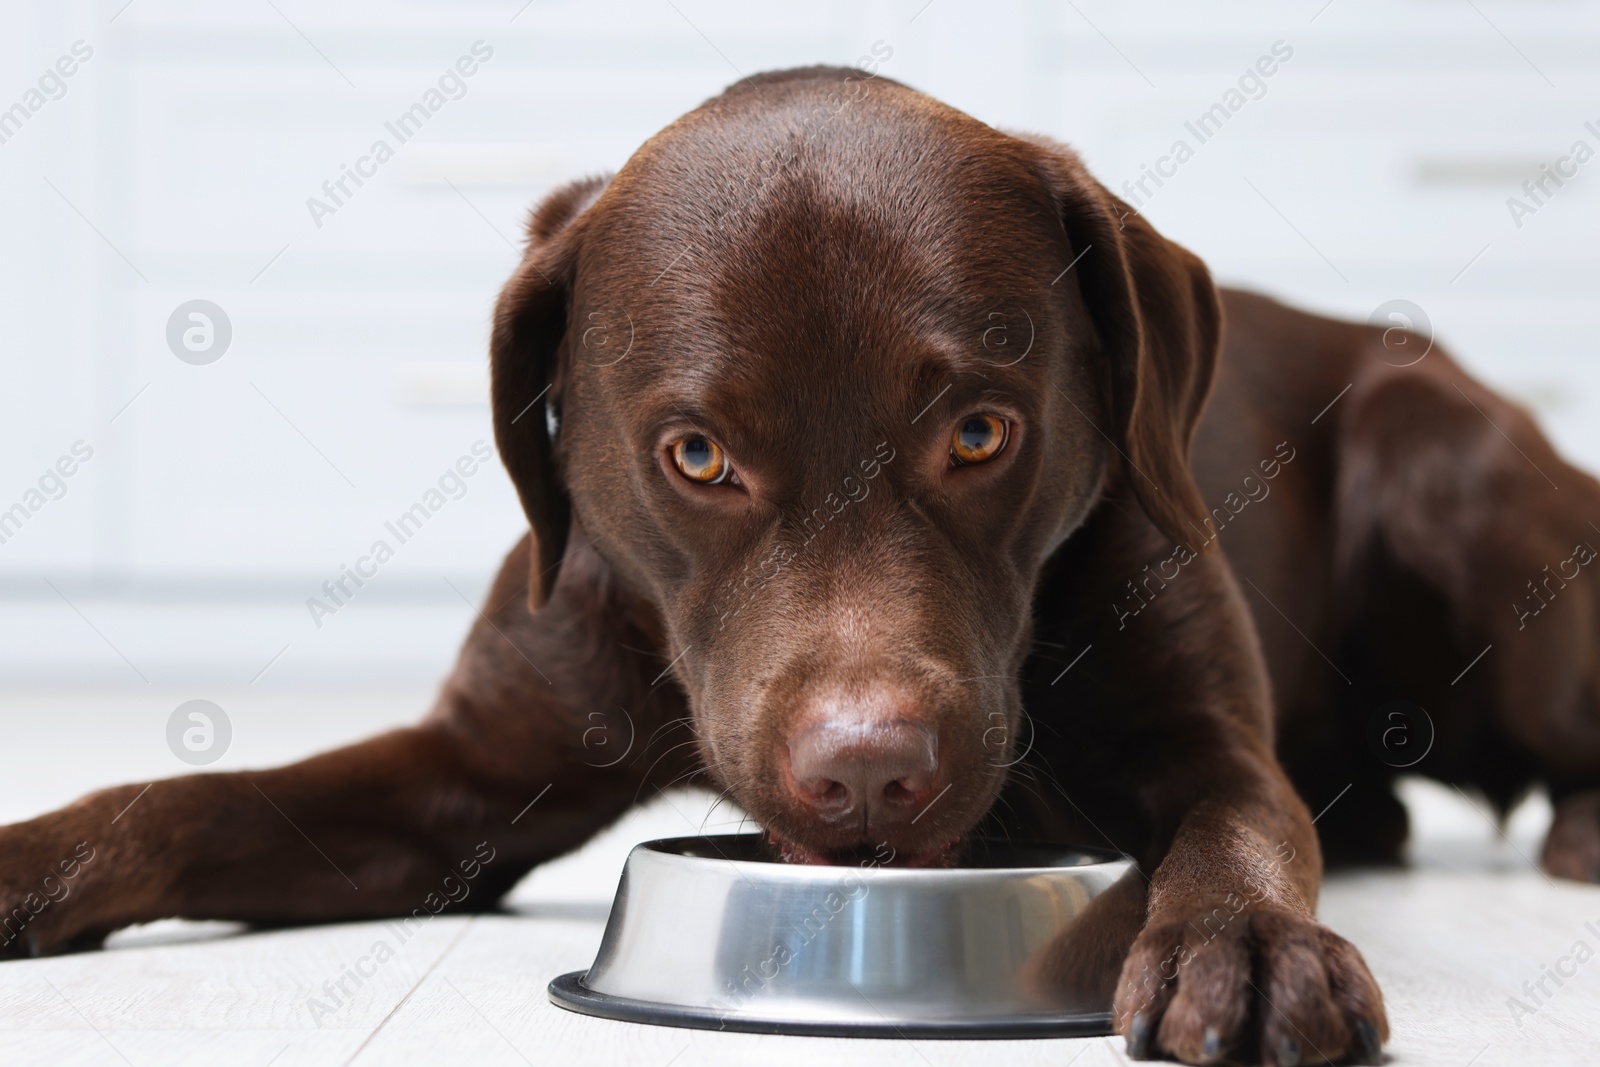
(539, 739)
(1231, 962)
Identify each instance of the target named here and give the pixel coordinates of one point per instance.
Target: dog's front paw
(1253, 986)
(42, 870)
(1572, 848)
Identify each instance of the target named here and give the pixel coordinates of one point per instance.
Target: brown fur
(809, 269)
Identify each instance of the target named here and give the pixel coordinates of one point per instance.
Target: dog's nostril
(825, 792)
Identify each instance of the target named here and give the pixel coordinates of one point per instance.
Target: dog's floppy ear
(1160, 326)
(526, 362)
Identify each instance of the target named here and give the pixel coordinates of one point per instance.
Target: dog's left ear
(1160, 326)
(526, 362)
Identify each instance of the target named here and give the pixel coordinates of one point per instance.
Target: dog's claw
(1288, 1052)
(1369, 1048)
(1139, 1032)
(1212, 1048)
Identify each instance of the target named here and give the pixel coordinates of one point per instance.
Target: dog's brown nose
(874, 772)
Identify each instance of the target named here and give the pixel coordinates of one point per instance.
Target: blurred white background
(176, 161)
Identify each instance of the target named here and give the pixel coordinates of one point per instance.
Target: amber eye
(700, 460)
(978, 439)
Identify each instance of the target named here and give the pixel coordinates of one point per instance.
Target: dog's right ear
(527, 364)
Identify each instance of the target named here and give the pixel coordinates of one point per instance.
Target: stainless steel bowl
(706, 933)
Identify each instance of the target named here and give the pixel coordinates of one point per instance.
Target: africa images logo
(404, 127)
(453, 484)
(52, 85)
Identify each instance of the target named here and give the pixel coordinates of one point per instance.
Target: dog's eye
(700, 460)
(978, 439)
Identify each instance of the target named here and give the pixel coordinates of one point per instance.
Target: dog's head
(826, 373)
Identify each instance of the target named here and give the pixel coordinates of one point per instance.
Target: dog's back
(1390, 520)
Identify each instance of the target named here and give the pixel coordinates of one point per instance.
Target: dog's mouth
(880, 855)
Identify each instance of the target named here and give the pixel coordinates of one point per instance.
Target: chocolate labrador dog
(889, 475)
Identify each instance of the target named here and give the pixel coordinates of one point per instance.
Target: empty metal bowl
(706, 932)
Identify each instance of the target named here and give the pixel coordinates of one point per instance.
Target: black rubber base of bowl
(568, 991)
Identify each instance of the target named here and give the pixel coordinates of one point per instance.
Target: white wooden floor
(1450, 940)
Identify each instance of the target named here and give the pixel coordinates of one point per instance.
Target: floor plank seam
(425, 974)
